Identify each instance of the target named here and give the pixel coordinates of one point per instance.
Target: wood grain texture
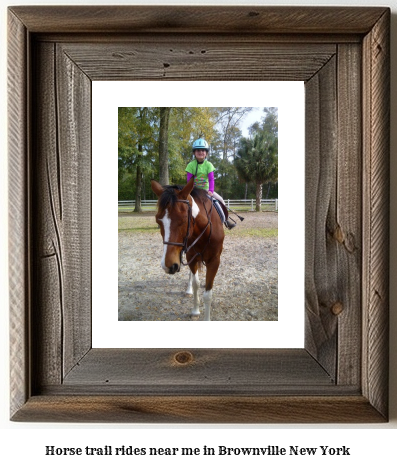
(48, 249)
(159, 369)
(198, 19)
(62, 208)
(321, 277)
(376, 91)
(333, 215)
(198, 409)
(346, 227)
(140, 59)
(73, 90)
(341, 375)
(19, 224)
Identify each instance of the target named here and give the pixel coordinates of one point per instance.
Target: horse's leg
(212, 269)
(190, 283)
(194, 278)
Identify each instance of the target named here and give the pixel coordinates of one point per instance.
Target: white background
(288, 331)
(371, 446)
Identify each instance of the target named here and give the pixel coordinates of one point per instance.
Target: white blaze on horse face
(166, 221)
(195, 208)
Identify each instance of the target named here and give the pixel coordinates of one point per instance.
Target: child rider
(203, 172)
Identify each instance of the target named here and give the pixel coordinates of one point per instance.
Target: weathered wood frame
(342, 54)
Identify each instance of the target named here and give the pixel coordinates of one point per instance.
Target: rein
(184, 244)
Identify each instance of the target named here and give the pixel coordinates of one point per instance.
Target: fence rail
(270, 205)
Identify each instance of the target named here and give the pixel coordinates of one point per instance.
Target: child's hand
(210, 193)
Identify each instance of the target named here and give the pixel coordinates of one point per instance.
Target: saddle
(221, 209)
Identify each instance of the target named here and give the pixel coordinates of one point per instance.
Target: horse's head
(173, 218)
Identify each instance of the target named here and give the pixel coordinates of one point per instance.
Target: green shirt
(201, 179)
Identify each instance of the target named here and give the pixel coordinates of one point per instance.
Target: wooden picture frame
(342, 54)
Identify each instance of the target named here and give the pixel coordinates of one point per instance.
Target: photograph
(198, 213)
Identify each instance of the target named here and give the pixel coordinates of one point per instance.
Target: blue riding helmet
(201, 144)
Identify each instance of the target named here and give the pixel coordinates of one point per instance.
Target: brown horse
(189, 226)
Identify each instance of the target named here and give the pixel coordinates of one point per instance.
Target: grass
(130, 209)
(140, 229)
(147, 225)
(138, 224)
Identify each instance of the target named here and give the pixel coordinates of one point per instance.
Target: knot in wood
(183, 358)
(338, 235)
(337, 308)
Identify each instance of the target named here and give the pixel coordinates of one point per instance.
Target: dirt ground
(245, 288)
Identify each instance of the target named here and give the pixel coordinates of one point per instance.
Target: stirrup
(230, 225)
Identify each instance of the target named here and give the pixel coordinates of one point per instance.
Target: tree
(185, 126)
(270, 121)
(136, 145)
(163, 146)
(188, 124)
(257, 159)
(228, 121)
(157, 143)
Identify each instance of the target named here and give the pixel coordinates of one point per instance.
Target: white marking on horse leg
(167, 231)
(195, 208)
(196, 285)
(190, 284)
(207, 297)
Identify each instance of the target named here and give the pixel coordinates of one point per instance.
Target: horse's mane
(169, 197)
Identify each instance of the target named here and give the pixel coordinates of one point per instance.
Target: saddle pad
(219, 209)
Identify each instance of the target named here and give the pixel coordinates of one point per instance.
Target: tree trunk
(258, 196)
(138, 205)
(138, 195)
(268, 190)
(163, 146)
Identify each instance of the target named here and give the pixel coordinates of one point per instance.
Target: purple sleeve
(188, 176)
(211, 182)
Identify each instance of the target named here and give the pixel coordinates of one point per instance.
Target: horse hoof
(194, 316)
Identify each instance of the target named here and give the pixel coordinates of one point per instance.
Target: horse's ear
(156, 187)
(186, 190)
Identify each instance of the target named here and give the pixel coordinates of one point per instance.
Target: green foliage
(257, 156)
(138, 148)
(137, 143)
(126, 187)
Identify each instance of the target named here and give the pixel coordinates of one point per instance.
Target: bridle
(184, 244)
